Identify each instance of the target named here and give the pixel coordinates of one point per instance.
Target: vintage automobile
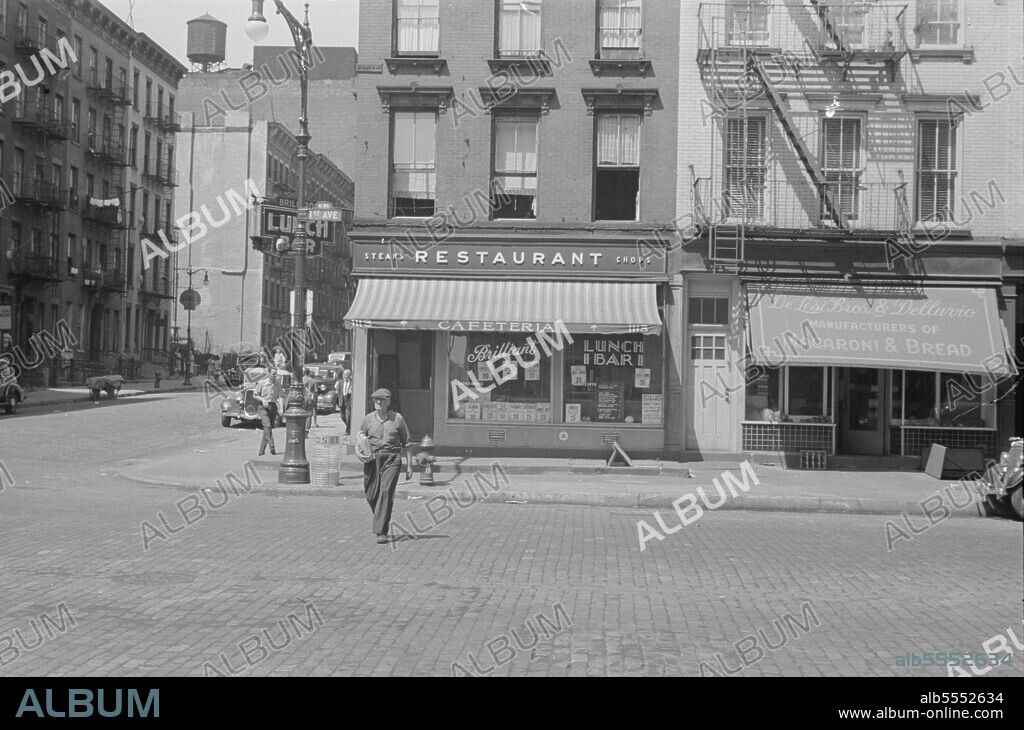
(11, 394)
(326, 394)
(1005, 479)
(243, 405)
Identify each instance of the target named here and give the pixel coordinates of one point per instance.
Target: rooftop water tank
(206, 40)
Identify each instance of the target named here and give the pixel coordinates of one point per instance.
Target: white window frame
(620, 31)
(415, 166)
(858, 171)
(955, 158)
(520, 51)
(497, 173)
(766, 187)
(421, 21)
(960, 18)
(749, 36)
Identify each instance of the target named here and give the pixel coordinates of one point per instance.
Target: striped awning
(506, 306)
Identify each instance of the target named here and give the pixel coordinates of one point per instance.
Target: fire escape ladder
(904, 222)
(725, 245)
(806, 158)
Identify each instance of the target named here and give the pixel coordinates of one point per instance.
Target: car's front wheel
(11, 406)
(225, 421)
(1017, 501)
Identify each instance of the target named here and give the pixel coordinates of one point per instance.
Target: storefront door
(711, 382)
(861, 410)
(402, 363)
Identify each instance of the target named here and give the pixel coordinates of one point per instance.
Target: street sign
(325, 214)
(276, 222)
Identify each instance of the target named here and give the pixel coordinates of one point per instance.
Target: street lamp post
(295, 468)
(188, 330)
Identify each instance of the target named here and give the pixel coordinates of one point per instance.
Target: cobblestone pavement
(298, 586)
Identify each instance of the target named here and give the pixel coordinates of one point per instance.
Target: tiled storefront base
(909, 440)
(794, 437)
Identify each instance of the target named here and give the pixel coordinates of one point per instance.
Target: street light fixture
(188, 308)
(256, 27)
(295, 468)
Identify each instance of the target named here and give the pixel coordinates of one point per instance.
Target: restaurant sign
(506, 259)
(945, 329)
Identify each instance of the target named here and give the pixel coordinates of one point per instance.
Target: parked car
(1006, 478)
(243, 406)
(11, 394)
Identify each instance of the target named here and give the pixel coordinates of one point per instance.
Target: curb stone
(650, 501)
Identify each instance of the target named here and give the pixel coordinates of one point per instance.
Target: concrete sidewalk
(80, 394)
(652, 485)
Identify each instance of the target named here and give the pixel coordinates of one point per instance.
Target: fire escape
(752, 50)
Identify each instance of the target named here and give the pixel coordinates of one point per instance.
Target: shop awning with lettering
(506, 306)
(942, 329)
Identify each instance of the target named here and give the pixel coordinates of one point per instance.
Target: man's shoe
(382, 539)
(273, 453)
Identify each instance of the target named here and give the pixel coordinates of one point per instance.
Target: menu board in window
(652, 408)
(609, 402)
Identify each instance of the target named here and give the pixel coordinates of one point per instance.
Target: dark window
(617, 174)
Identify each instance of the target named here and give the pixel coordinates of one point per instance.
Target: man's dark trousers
(380, 478)
(267, 416)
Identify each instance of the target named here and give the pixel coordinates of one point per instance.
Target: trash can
(325, 460)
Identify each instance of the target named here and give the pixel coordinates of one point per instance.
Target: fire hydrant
(425, 461)
(156, 379)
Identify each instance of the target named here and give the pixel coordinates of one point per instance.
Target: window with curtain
(514, 194)
(746, 167)
(619, 27)
(519, 28)
(841, 164)
(413, 174)
(617, 174)
(936, 169)
(938, 23)
(417, 27)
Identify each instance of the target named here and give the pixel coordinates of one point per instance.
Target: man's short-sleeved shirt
(388, 436)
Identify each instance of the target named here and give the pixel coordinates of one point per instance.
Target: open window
(514, 193)
(617, 170)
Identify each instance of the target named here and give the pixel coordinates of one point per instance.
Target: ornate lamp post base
(295, 467)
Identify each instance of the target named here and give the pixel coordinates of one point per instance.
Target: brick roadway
(69, 534)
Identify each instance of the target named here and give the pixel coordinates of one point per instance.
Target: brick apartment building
(511, 155)
(68, 151)
(854, 168)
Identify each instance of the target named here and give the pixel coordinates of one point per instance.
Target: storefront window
(525, 396)
(962, 400)
(763, 392)
(614, 379)
(808, 395)
(950, 400)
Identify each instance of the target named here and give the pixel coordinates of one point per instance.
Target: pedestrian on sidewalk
(309, 388)
(344, 389)
(265, 394)
(388, 436)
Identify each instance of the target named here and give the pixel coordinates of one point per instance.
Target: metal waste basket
(325, 460)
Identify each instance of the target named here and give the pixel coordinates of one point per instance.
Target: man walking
(265, 394)
(344, 389)
(388, 435)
